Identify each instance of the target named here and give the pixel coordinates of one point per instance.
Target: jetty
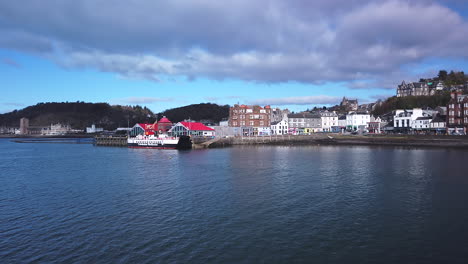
(111, 141)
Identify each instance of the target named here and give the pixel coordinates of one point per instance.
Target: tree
(442, 75)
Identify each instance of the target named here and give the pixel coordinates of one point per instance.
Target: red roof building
(143, 129)
(192, 129)
(164, 125)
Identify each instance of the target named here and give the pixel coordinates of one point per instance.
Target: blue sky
(289, 54)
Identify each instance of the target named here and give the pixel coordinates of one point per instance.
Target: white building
(438, 124)
(262, 131)
(375, 125)
(59, 129)
(422, 123)
(280, 128)
(329, 120)
(224, 123)
(94, 129)
(342, 121)
(415, 119)
(357, 120)
(191, 129)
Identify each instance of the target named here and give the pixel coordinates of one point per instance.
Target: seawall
(337, 139)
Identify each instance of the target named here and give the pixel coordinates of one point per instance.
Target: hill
(409, 102)
(79, 115)
(197, 112)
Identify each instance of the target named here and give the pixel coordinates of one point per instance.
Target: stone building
(278, 115)
(457, 113)
(24, 126)
(349, 105)
(427, 88)
(249, 116)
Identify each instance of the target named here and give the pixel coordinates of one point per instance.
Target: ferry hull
(168, 146)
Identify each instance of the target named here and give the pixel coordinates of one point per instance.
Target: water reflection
(72, 203)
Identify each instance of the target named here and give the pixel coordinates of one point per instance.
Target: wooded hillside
(197, 112)
(410, 102)
(79, 115)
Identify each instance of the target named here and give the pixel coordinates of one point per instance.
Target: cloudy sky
(292, 54)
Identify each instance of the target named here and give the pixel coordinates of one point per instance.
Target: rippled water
(80, 203)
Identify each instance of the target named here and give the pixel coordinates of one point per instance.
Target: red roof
(196, 126)
(164, 120)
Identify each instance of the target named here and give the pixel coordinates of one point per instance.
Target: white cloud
(260, 41)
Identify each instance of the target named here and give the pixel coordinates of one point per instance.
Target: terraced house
(457, 113)
(304, 123)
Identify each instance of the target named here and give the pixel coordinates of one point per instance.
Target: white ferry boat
(161, 141)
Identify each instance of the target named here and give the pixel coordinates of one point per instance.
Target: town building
(349, 105)
(224, 122)
(249, 116)
(280, 127)
(41, 130)
(277, 114)
(417, 119)
(195, 129)
(94, 129)
(24, 126)
(375, 125)
(8, 130)
(329, 120)
(59, 129)
(403, 119)
(304, 123)
(357, 121)
(253, 120)
(227, 131)
(457, 113)
(341, 125)
(422, 124)
(143, 129)
(438, 124)
(426, 88)
(342, 121)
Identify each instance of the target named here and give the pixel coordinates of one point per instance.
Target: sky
(293, 54)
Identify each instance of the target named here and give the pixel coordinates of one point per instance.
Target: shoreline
(455, 142)
(326, 139)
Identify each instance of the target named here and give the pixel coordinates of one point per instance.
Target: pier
(112, 141)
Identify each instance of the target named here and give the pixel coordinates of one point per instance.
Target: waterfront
(322, 204)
